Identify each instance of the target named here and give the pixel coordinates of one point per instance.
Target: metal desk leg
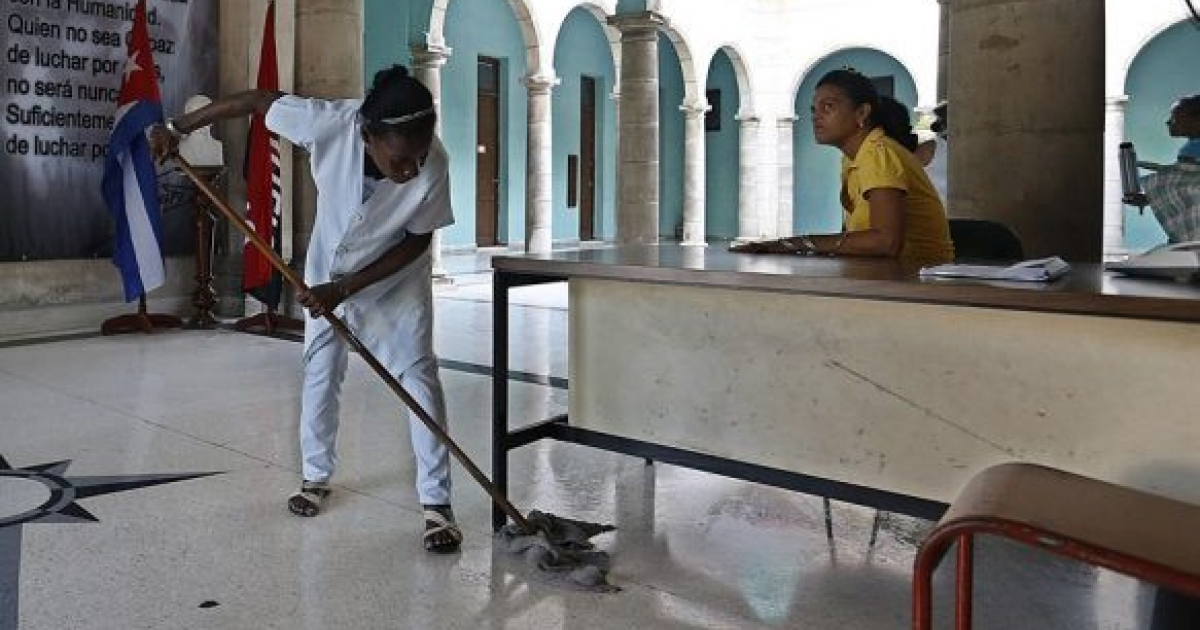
(500, 286)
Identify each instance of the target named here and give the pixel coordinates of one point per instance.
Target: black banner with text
(59, 79)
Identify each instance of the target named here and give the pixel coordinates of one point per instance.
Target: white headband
(407, 117)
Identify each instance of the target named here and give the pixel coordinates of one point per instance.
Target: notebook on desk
(1034, 270)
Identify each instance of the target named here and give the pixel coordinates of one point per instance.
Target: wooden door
(487, 155)
(587, 159)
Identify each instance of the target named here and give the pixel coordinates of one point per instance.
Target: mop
(559, 548)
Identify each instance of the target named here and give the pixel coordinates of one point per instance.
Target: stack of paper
(1036, 270)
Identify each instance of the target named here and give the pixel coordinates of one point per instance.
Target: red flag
(262, 181)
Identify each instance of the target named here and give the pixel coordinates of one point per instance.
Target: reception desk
(856, 380)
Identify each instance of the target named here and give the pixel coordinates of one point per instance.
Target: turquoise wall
(488, 28)
(419, 14)
(386, 36)
(722, 162)
(1156, 79)
(582, 49)
(473, 28)
(817, 167)
(670, 140)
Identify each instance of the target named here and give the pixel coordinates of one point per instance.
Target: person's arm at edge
(164, 141)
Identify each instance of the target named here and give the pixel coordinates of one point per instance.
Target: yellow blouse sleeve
(880, 167)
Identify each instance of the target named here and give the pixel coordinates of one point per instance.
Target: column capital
(540, 83)
(1119, 101)
(636, 23)
(429, 56)
(694, 108)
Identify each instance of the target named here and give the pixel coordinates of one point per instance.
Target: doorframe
(594, 158)
(500, 220)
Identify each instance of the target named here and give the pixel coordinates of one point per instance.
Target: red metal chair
(1142, 535)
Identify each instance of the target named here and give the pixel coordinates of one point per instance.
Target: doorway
(487, 155)
(587, 159)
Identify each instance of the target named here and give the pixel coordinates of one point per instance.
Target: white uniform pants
(324, 371)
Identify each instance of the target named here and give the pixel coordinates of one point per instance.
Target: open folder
(1035, 270)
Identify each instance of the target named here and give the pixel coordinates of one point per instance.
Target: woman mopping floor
(382, 181)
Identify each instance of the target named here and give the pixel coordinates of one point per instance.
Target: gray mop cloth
(560, 549)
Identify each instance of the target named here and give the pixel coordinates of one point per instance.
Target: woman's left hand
(321, 299)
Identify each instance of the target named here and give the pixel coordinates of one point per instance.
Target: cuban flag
(130, 182)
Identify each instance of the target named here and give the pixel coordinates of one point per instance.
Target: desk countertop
(1086, 290)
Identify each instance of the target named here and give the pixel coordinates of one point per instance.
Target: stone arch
(692, 89)
(798, 79)
(610, 32)
(575, 55)
(1131, 56)
(524, 15)
(1153, 83)
(741, 72)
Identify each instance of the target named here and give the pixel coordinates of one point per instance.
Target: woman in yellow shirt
(892, 209)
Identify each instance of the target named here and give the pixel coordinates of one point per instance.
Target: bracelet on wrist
(838, 246)
(809, 246)
(173, 127)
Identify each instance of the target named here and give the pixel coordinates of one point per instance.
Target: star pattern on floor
(60, 507)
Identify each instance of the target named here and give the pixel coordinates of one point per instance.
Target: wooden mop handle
(352, 339)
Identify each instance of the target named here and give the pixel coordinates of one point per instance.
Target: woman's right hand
(163, 143)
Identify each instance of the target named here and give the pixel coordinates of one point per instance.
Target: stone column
(539, 181)
(943, 68)
(427, 61)
(637, 139)
(749, 227)
(329, 64)
(694, 175)
(784, 152)
(766, 185)
(236, 19)
(1114, 210)
(1026, 87)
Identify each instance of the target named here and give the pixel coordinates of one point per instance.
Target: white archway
(524, 15)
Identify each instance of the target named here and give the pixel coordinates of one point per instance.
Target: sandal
(307, 502)
(439, 520)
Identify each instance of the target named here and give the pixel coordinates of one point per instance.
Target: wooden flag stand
(141, 321)
(269, 322)
(204, 297)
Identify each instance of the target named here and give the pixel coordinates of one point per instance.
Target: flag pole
(141, 321)
(139, 258)
(263, 199)
(347, 334)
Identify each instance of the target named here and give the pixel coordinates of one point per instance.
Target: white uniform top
(393, 317)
